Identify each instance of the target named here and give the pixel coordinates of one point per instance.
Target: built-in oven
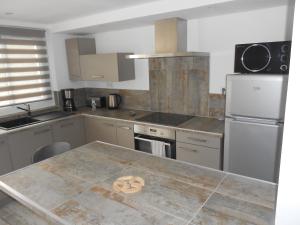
(155, 140)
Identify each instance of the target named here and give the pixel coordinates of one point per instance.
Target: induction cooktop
(168, 119)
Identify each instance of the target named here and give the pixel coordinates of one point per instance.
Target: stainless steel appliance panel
(258, 96)
(252, 149)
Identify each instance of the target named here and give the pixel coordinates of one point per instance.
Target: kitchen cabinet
(23, 144)
(107, 67)
(199, 148)
(197, 154)
(70, 130)
(125, 135)
(5, 159)
(75, 47)
(100, 130)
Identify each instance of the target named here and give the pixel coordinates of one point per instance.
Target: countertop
(196, 124)
(76, 188)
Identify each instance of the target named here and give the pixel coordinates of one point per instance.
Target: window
(24, 71)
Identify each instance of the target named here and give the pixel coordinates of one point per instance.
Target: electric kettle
(114, 101)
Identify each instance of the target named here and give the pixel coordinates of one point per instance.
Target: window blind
(24, 71)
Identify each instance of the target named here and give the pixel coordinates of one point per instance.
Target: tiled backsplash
(140, 100)
(177, 85)
(180, 85)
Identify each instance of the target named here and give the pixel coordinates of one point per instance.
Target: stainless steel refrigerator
(255, 106)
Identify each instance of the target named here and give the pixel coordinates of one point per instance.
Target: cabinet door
(73, 59)
(71, 131)
(125, 136)
(103, 67)
(23, 144)
(74, 48)
(200, 155)
(5, 159)
(100, 130)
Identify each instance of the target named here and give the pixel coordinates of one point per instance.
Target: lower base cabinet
(201, 155)
(100, 130)
(125, 135)
(23, 144)
(106, 130)
(70, 130)
(5, 159)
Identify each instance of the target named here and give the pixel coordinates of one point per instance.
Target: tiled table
(76, 188)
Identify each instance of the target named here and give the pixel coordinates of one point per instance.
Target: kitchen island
(76, 188)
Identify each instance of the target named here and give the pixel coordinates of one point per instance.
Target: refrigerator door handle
(256, 120)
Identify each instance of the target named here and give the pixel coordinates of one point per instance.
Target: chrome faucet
(27, 109)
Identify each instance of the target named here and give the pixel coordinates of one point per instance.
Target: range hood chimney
(170, 40)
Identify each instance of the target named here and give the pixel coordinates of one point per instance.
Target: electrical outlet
(223, 91)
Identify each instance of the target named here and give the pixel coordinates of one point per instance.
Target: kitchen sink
(52, 115)
(20, 122)
(25, 121)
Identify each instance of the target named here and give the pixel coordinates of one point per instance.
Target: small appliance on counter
(114, 101)
(68, 100)
(96, 101)
(263, 58)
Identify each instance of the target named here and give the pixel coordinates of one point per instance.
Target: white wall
(58, 62)
(288, 199)
(216, 35)
(136, 40)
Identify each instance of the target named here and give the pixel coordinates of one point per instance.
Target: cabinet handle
(66, 125)
(125, 128)
(108, 124)
(98, 76)
(41, 131)
(189, 149)
(197, 139)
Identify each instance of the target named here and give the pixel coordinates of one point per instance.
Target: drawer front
(198, 139)
(204, 156)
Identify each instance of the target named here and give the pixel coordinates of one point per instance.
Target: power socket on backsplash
(223, 91)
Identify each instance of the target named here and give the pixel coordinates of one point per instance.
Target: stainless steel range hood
(170, 40)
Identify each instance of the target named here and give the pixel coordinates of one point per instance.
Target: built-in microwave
(263, 58)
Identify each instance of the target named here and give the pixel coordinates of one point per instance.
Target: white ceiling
(53, 11)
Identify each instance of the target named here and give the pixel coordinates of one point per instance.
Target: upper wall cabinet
(107, 67)
(75, 47)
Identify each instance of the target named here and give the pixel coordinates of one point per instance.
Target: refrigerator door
(252, 149)
(258, 96)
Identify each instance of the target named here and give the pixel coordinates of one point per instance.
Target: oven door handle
(143, 139)
(167, 144)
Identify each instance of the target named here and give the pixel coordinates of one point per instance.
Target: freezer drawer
(259, 96)
(252, 149)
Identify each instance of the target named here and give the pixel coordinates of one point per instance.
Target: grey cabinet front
(100, 130)
(23, 144)
(125, 136)
(74, 48)
(5, 160)
(200, 155)
(71, 131)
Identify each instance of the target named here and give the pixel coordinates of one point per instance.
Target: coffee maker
(68, 100)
